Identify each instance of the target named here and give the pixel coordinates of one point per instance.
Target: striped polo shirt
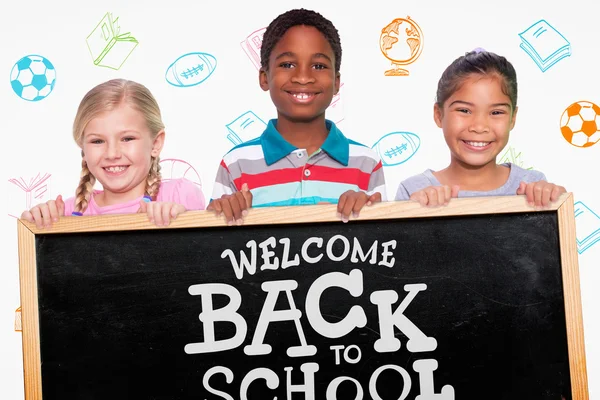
(280, 174)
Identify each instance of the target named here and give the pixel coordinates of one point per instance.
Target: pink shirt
(180, 191)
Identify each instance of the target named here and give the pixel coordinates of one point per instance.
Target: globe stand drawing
(401, 46)
(396, 71)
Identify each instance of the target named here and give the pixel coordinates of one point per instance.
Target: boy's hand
(540, 193)
(46, 213)
(161, 212)
(353, 202)
(234, 206)
(433, 196)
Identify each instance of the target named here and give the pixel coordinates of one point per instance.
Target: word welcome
(271, 262)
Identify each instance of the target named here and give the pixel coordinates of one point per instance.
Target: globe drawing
(401, 42)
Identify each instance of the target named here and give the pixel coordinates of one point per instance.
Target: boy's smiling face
(301, 76)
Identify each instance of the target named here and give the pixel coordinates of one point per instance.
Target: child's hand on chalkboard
(46, 213)
(353, 202)
(433, 196)
(540, 193)
(161, 212)
(234, 206)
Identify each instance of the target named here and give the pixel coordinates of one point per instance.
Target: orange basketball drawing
(401, 42)
(580, 124)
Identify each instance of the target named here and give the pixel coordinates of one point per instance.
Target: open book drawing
(245, 127)
(587, 227)
(108, 46)
(545, 45)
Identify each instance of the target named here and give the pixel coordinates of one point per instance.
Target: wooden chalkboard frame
(306, 214)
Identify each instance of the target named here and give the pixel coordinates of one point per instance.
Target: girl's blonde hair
(106, 97)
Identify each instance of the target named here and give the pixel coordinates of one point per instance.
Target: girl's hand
(433, 196)
(161, 212)
(540, 193)
(43, 215)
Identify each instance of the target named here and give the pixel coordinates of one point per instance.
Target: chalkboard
(479, 299)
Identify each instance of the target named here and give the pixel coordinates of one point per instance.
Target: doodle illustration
(401, 46)
(397, 147)
(245, 127)
(172, 168)
(251, 46)
(18, 320)
(34, 189)
(545, 45)
(335, 111)
(191, 69)
(512, 156)
(587, 226)
(108, 46)
(580, 124)
(33, 77)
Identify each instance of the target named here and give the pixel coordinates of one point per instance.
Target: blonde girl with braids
(119, 129)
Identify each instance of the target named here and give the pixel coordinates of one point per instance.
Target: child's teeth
(477, 144)
(116, 169)
(302, 96)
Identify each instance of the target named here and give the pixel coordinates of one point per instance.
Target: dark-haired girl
(476, 107)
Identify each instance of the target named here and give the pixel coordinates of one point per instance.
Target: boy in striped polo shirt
(301, 158)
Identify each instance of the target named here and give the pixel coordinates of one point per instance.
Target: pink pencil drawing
(35, 188)
(172, 168)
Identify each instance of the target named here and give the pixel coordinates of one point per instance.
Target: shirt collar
(275, 147)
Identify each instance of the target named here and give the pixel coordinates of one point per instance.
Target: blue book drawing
(245, 127)
(545, 45)
(587, 227)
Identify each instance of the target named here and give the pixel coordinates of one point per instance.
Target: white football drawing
(397, 147)
(191, 69)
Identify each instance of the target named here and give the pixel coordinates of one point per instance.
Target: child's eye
(462, 110)
(286, 65)
(128, 139)
(498, 112)
(320, 66)
(96, 141)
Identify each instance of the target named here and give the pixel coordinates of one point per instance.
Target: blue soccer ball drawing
(33, 77)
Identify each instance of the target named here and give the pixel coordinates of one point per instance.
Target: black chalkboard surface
(451, 306)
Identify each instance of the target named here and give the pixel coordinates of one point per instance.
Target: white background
(37, 139)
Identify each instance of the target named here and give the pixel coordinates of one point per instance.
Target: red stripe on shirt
(224, 166)
(269, 178)
(352, 176)
(317, 173)
(379, 165)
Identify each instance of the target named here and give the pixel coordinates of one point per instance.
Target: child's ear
(263, 79)
(514, 118)
(158, 143)
(337, 83)
(437, 115)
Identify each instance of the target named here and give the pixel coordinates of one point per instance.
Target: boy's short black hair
(280, 25)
